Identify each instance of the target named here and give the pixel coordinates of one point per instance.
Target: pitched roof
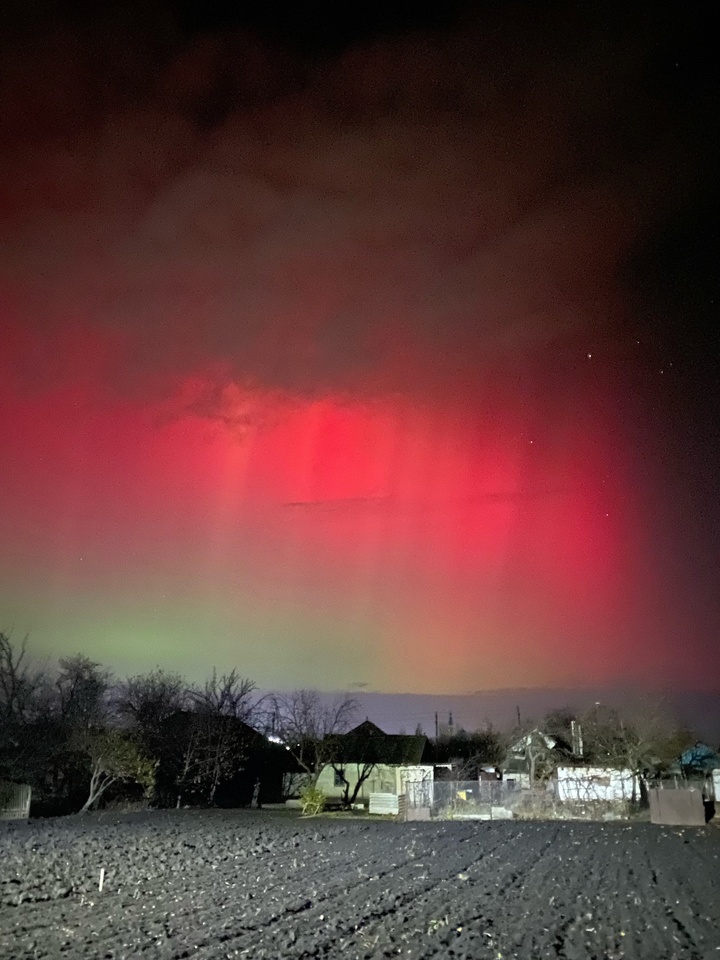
(367, 728)
(367, 743)
(549, 741)
(533, 736)
(180, 719)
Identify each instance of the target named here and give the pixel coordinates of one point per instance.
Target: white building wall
(595, 783)
(384, 778)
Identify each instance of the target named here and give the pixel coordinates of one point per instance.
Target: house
(207, 758)
(541, 756)
(367, 760)
(699, 761)
(534, 756)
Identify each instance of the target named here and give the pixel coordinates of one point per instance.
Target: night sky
(366, 352)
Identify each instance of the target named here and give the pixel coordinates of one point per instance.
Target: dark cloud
(401, 211)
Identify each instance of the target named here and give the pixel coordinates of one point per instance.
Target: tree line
(78, 735)
(75, 733)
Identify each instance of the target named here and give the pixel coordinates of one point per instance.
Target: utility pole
(437, 728)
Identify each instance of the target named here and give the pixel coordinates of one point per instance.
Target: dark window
(339, 782)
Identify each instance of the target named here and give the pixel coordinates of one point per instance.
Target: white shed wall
(595, 783)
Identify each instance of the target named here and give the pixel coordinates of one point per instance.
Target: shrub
(312, 801)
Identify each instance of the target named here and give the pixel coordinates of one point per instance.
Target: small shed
(596, 784)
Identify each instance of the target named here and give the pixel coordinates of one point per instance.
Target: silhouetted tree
(202, 750)
(23, 701)
(223, 707)
(145, 701)
(644, 739)
(360, 749)
(82, 687)
(559, 723)
(209, 741)
(529, 742)
(115, 756)
(471, 751)
(305, 722)
(229, 695)
(22, 685)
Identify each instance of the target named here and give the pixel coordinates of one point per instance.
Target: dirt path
(210, 885)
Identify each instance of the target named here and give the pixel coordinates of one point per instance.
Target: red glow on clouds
(452, 540)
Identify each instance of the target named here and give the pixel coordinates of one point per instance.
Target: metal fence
(705, 785)
(14, 801)
(464, 800)
(505, 800)
(420, 792)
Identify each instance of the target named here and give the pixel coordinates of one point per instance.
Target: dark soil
(263, 885)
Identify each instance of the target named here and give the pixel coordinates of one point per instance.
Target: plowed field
(216, 884)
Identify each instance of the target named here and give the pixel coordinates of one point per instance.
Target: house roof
(367, 743)
(367, 728)
(553, 749)
(701, 757)
(533, 736)
(185, 718)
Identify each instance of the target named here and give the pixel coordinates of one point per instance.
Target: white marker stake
(102, 879)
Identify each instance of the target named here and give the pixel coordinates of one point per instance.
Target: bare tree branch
(20, 684)
(306, 724)
(225, 696)
(115, 756)
(82, 687)
(149, 699)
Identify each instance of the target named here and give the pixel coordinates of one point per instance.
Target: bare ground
(212, 884)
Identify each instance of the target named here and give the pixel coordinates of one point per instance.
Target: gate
(14, 801)
(679, 808)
